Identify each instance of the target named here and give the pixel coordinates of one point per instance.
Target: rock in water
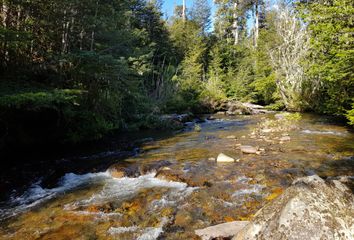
(224, 158)
(197, 128)
(248, 149)
(310, 208)
(231, 137)
(224, 230)
(285, 138)
(120, 170)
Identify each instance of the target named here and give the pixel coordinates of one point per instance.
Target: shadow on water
(338, 168)
(192, 192)
(24, 166)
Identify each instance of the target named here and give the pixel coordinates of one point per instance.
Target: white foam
(152, 233)
(254, 189)
(149, 233)
(120, 230)
(115, 189)
(322, 132)
(100, 215)
(223, 202)
(36, 195)
(243, 179)
(161, 203)
(125, 188)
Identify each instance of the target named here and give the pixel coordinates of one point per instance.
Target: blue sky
(168, 6)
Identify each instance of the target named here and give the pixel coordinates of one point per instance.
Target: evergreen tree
(331, 24)
(215, 85)
(201, 13)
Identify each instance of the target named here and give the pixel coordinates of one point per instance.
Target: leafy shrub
(277, 106)
(350, 116)
(50, 116)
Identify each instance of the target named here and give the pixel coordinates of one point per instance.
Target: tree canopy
(82, 68)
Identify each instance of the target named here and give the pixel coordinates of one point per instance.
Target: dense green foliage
(78, 69)
(331, 24)
(117, 53)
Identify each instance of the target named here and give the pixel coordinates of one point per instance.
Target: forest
(81, 69)
(176, 119)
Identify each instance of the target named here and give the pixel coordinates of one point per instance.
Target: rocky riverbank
(311, 208)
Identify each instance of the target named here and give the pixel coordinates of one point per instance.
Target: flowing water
(194, 192)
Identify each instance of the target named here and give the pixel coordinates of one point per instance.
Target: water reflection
(192, 192)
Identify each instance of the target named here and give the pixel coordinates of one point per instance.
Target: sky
(168, 6)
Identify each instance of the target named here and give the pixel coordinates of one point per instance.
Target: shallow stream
(197, 191)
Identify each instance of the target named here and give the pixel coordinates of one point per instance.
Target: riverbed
(192, 191)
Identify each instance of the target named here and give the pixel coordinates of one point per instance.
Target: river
(193, 191)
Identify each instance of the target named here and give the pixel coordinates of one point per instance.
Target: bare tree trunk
(81, 39)
(72, 27)
(184, 10)
(18, 20)
(64, 35)
(160, 80)
(18, 26)
(235, 23)
(93, 30)
(287, 59)
(5, 10)
(256, 23)
(92, 40)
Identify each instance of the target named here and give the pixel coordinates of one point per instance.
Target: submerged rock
(311, 208)
(178, 117)
(191, 180)
(231, 137)
(211, 118)
(285, 139)
(170, 175)
(224, 158)
(197, 128)
(153, 166)
(220, 113)
(224, 230)
(248, 149)
(119, 170)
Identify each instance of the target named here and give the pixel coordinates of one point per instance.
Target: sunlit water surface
(98, 206)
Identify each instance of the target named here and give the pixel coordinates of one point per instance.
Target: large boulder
(237, 108)
(311, 208)
(253, 106)
(233, 107)
(224, 230)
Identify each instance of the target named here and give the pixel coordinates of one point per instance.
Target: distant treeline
(72, 70)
